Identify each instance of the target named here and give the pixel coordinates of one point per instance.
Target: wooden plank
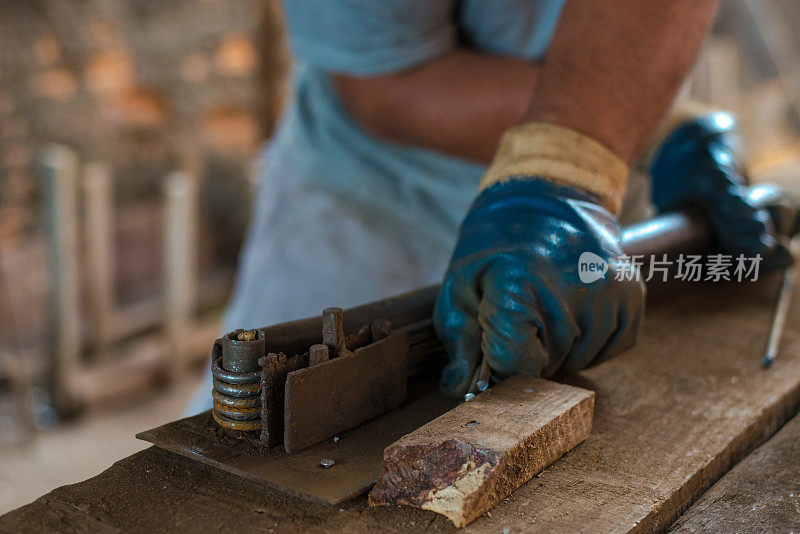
(760, 494)
(671, 417)
(467, 460)
(343, 392)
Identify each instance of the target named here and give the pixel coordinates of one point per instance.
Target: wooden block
(467, 460)
(345, 391)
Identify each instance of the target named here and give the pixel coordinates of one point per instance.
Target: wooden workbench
(760, 494)
(672, 417)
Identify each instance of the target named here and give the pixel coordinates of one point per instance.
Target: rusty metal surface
(343, 392)
(273, 381)
(333, 332)
(229, 376)
(236, 424)
(357, 454)
(295, 337)
(240, 350)
(242, 413)
(318, 354)
(237, 390)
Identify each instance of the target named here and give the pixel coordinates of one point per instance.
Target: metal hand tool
(687, 233)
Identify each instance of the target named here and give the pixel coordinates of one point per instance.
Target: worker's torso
(406, 188)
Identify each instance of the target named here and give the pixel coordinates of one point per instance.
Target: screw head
(325, 463)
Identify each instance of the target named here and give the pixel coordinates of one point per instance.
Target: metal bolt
(326, 463)
(472, 423)
(336, 439)
(482, 385)
(333, 331)
(528, 390)
(468, 397)
(317, 354)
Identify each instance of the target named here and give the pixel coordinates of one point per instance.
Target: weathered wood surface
(760, 494)
(467, 460)
(671, 417)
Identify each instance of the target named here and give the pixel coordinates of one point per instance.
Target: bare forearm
(614, 67)
(459, 104)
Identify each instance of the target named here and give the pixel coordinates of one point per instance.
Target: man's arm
(516, 294)
(459, 103)
(613, 68)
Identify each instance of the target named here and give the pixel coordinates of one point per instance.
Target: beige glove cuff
(562, 155)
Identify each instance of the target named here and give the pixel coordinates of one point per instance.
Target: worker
(380, 169)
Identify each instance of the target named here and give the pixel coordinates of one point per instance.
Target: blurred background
(129, 132)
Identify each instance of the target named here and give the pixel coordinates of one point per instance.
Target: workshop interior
(297, 266)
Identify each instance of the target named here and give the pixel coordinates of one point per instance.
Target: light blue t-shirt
(418, 194)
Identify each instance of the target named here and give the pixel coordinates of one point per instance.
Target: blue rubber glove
(513, 291)
(698, 167)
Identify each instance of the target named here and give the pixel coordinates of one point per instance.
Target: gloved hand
(513, 292)
(698, 167)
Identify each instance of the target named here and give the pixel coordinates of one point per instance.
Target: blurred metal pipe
(98, 224)
(59, 168)
(180, 267)
(670, 233)
(688, 232)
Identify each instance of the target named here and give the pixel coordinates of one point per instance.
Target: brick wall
(145, 85)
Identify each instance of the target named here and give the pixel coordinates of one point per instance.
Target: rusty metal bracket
(343, 392)
(275, 368)
(252, 370)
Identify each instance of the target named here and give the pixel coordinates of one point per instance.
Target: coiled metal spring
(237, 379)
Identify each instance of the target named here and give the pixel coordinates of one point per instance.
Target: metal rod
(668, 233)
(781, 308)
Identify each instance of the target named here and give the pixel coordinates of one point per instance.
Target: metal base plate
(357, 454)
